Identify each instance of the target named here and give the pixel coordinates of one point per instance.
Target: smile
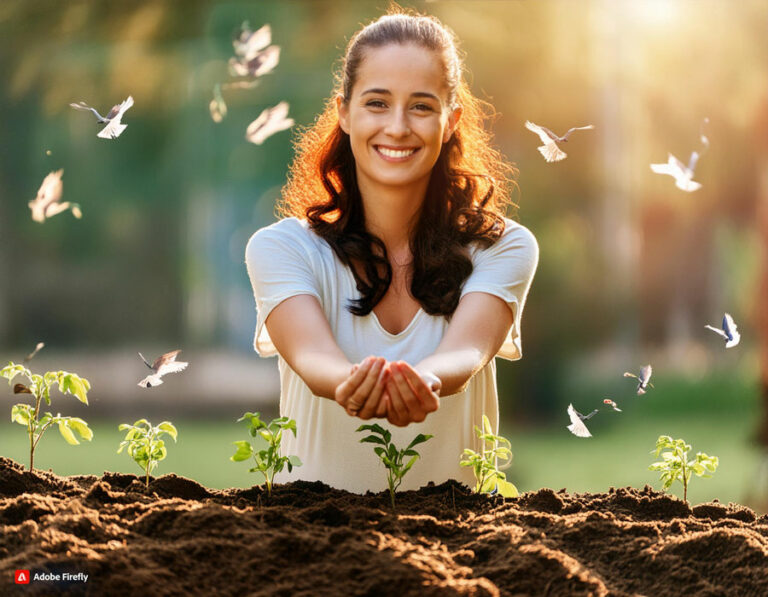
(395, 154)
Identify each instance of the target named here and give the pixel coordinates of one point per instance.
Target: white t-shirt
(288, 259)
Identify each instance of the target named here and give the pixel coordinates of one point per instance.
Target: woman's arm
(301, 334)
(476, 332)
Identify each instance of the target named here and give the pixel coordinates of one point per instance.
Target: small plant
(145, 445)
(489, 477)
(268, 461)
(677, 467)
(391, 456)
(40, 388)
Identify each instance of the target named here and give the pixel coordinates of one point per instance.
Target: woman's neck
(391, 214)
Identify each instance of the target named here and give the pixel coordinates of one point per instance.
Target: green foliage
(145, 445)
(488, 476)
(268, 461)
(40, 389)
(391, 456)
(675, 465)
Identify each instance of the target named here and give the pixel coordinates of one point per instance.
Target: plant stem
(33, 443)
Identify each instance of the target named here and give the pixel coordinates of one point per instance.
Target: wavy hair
(467, 194)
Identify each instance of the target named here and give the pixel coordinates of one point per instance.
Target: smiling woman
(394, 278)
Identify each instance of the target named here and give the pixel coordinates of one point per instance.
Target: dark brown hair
(466, 198)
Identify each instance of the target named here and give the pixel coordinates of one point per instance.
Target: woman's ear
(453, 121)
(342, 111)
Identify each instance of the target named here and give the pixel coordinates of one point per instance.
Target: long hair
(467, 194)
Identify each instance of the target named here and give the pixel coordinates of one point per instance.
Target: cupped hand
(411, 394)
(360, 394)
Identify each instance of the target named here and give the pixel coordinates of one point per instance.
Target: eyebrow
(414, 94)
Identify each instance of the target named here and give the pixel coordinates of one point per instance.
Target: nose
(397, 125)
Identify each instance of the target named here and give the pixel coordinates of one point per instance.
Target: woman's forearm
(322, 372)
(454, 368)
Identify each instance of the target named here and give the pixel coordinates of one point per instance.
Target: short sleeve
(279, 264)
(506, 269)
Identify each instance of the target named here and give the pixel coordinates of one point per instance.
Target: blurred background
(631, 267)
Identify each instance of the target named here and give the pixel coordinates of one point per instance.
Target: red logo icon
(21, 577)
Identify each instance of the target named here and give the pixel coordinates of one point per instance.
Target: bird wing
(248, 43)
(264, 62)
(122, 108)
(717, 331)
(692, 161)
(544, 134)
(589, 416)
(730, 328)
(146, 362)
(577, 426)
(628, 374)
(87, 108)
(113, 130)
(578, 128)
(551, 152)
(172, 367)
(684, 183)
(56, 208)
(166, 358)
(269, 122)
(645, 374)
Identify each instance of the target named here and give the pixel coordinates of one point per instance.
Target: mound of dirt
(179, 538)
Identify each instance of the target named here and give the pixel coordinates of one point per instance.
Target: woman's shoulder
(288, 232)
(515, 238)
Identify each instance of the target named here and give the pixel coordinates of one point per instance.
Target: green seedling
(489, 477)
(144, 444)
(268, 461)
(391, 456)
(675, 465)
(40, 389)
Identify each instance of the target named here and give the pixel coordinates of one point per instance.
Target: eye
(376, 104)
(423, 107)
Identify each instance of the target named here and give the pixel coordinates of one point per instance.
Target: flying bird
(577, 426)
(269, 122)
(612, 404)
(31, 355)
(114, 127)
(248, 43)
(550, 150)
(643, 379)
(163, 365)
(729, 333)
(47, 203)
(683, 174)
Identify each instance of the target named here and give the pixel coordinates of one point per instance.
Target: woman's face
(398, 116)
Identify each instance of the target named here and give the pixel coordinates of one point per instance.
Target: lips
(395, 154)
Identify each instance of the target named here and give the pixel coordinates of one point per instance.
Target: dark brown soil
(309, 539)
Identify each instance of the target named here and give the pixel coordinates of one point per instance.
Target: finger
(416, 411)
(346, 388)
(363, 391)
(397, 410)
(371, 404)
(426, 395)
(383, 407)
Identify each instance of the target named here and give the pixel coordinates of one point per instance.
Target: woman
(393, 279)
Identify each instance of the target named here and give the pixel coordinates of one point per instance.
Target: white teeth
(392, 153)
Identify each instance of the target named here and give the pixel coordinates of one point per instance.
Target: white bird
(163, 365)
(269, 122)
(643, 379)
(612, 404)
(38, 347)
(550, 150)
(218, 106)
(47, 203)
(682, 174)
(729, 333)
(114, 127)
(577, 426)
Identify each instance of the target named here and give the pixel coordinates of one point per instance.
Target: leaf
(244, 451)
(419, 439)
(66, 433)
(12, 370)
(507, 489)
(74, 384)
(81, 427)
(294, 460)
(372, 439)
(168, 427)
(20, 414)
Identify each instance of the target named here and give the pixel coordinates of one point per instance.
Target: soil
(180, 538)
